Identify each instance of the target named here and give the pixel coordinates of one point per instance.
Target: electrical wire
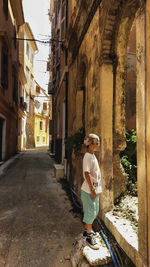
(40, 41)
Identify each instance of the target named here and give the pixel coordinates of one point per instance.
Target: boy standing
(91, 188)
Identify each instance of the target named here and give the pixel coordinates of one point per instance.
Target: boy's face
(95, 145)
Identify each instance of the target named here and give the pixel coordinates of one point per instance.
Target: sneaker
(95, 234)
(91, 241)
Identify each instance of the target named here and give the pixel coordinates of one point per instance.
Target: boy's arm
(90, 184)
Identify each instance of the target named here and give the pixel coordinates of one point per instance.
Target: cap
(91, 138)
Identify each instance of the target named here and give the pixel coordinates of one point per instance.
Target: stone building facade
(104, 41)
(30, 48)
(11, 18)
(58, 86)
(41, 117)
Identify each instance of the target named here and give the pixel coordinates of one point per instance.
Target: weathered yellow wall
(148, 116)
(90, 49)
(105, 58)
(106, 123)
(38, 132)
(141, 148)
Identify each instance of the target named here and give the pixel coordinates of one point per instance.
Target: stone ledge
(124, 234)
(83, 255)
(58, 171)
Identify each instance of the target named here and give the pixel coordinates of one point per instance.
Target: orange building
(10, 20)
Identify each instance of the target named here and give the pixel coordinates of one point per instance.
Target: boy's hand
(93, 194)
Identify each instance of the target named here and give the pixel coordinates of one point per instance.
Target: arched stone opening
(130, 88)
(122, 35)
(115, 38)
(116, 51)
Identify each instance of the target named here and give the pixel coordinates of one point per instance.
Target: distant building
(41, 117)
(58, 86)
(22, 104)
(11, 18)
(30, 48)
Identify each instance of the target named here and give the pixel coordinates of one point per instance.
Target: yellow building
(41, 117)
(30, 48)
(22, 104)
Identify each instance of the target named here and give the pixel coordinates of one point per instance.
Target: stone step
(84, 256)
(58, 171)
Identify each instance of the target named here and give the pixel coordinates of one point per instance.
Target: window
(44, 106)
(27, 50)
(41, 125)
(15, 43)
(50, 126)
(5, 8)
(44, 139)
(4, 68)
(37, 89)
(37, 138)
(15, 89)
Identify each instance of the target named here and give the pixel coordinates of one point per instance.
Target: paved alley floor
(37, 227)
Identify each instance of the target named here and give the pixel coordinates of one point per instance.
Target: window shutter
(4, 70)
(38, 89)
(44, 106)
(15, 89)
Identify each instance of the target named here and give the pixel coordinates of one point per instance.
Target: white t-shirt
(90, 165)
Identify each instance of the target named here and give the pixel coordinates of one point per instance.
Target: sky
(36, 14)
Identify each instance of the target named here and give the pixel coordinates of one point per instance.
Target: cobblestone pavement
(37, 226)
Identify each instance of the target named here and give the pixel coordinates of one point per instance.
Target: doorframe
(3, 137)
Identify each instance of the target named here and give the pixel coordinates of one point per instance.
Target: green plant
(75, 141)
(128, 160)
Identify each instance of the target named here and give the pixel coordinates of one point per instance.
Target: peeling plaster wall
(91, 49)
(148, 116)
(89, 55)
(104, 50)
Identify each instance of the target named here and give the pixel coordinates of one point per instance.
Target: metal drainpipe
(66, 80)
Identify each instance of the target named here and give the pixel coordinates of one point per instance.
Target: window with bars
(4, 68)
(5, 8)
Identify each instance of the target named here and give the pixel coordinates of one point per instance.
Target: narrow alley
(37, 227)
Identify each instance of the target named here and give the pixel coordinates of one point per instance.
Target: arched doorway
(120, 20)
(131, 11)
